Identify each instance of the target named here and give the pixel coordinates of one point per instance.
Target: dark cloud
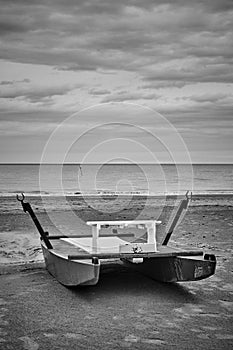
(210, 98)
(7, 82)
(12, 82)
(99, 92)
(216, 5)
(87, 35)
(161, 84)
(78, 67)
(7, 28)
(152, 49)
(124, 96)
(221, 73)
(62, 59)
(166, 43)
(34, 93)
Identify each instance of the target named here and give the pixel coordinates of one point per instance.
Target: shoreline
(99, 194)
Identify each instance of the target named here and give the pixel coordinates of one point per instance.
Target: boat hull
(164, 269)
(71, 273)
(176, 269)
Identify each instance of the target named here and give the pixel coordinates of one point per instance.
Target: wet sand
(126, 309)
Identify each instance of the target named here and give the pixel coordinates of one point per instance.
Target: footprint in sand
(203, 336)
(131, 338)
(224, 336)
(3, 322)
(74, 335)
(211, 328)
(29, 343)
(228, 287)
(51, 335)
(3, 302)
(141, 326)
(3, 311)
(227, 304)
(154, 341)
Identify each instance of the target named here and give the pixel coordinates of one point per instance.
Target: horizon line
(118, 163)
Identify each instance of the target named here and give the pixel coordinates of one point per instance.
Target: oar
(27, 208)
(182, 206)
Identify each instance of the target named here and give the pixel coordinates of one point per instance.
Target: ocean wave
(106, 193)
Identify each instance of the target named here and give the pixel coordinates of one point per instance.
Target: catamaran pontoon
(77, 259)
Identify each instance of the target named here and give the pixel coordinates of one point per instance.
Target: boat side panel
(159, 269)
(70, 273)
(194, 269)
(175, 269)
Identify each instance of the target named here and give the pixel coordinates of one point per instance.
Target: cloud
(174, 56)
(124, 96)
(161, 84)
(23, 90)
(6, 82)
(210, 97)
(112, 35)
(7, 28)
(99, 92)
(12, 82)
(221, 74)
(35, 93)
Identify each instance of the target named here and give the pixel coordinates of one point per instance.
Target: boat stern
(195, 268)
(71, 273)
(176, 268)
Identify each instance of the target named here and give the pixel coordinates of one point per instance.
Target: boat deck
(66, 248)
(81, 248)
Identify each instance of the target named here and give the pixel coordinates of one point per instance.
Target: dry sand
(125, 310)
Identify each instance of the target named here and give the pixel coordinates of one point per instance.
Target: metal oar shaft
(135, 255)
(182, 206)
(28, 209)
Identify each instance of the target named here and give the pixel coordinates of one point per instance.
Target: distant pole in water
(80, 169)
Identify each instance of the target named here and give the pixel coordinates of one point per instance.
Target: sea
(52, 182)
(97, 179)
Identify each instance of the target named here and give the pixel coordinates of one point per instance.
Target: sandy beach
(116, 111)
(125, 310)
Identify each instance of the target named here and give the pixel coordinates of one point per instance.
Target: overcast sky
(175, 57)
